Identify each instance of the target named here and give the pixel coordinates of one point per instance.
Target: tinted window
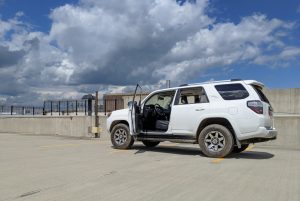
(260, 94)
(232, 91)
(191, 96)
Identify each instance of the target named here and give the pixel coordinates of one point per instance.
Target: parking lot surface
(57, 168)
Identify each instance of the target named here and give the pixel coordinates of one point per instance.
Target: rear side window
(193, 95)
(261, 95)
(232, 91)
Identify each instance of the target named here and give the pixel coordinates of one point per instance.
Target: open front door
(134, 111)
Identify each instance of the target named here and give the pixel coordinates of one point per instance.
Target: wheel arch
(217, 120)
(118, 122)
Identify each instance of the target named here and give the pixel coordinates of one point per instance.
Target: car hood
(123, 112)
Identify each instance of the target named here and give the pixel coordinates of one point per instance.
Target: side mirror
(130, 104)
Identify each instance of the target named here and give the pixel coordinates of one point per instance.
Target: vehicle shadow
(168, 149)
(192, 151)
(251, 155)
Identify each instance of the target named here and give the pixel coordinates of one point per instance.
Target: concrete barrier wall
(288, 127)
(288, 132)
(104, 134)
(46, 125)
(284, 100)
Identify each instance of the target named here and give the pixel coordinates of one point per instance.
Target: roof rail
(183, 85)
(211, 82)
(236, 79)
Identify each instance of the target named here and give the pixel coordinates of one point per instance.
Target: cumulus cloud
(120, 43)
(98, 45)
(287, 55)
(9, 58)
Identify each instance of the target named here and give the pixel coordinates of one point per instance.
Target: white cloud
(98, 44)
(290, 52)
(282, 59)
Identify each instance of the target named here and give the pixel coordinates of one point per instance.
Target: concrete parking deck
(57, 168)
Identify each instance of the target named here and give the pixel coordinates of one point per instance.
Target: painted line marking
(218, 160)
(59, 145)
(250, 147)
(168, 145)
(119, 151)
(68, 145)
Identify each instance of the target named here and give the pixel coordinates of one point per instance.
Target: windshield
(163, 99)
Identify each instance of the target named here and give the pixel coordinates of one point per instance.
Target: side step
(166, 137)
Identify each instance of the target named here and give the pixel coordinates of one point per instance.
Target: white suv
(221, 116)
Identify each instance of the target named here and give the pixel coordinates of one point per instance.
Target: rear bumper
(262, 133)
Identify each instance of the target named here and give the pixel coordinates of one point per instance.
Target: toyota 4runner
(221, 116)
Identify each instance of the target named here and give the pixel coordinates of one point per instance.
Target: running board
(166, 137)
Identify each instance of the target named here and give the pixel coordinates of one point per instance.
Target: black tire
(120, 137)
(239, 150)
(148, 143)
(216, 141)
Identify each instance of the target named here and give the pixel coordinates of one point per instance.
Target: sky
(64, 49)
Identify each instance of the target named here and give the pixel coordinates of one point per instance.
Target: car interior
(156, 112)
(191, 96)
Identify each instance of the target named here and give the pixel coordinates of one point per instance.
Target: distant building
(119, 101)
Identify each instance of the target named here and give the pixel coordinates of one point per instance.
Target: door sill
(154, 132)
(165, 137)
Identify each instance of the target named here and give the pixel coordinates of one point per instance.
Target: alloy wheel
(120, 136)
(214, 141)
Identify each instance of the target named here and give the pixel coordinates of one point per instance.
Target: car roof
(248, 82)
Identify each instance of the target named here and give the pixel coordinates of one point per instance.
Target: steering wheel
(159, 110)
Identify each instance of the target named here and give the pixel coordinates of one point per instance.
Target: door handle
(199, 109)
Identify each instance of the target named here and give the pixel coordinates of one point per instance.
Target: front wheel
(120, 137)
(216, 141)
(150, 143)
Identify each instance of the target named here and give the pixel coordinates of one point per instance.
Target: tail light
(270, 111)
(256, 106)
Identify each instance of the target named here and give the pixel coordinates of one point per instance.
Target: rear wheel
(239, 150)
(150, 143)
(216, 141)
(120, 137)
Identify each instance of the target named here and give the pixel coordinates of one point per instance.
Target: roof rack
(218, 81)
(209, 82)
(236, 79)
(183, 85)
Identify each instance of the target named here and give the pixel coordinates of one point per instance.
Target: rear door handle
(199, 109)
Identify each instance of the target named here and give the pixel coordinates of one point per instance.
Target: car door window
(191, 96)
(163, 99)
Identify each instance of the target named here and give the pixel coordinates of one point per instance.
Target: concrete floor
(56, 168)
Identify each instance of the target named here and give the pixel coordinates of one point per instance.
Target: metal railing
(65, 107)
(20, 110)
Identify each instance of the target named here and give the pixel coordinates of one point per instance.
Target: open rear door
(134, 111)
